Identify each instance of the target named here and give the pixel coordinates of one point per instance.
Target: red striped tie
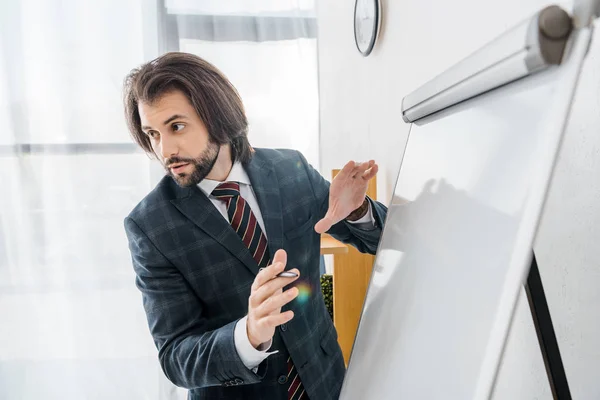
(243, 221)
(295, 390)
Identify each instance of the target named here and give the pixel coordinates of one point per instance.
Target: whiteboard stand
(544, 329)
(585, 12)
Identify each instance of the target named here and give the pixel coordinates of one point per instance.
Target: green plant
(327, 289)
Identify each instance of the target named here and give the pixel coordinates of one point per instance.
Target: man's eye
(178, 127)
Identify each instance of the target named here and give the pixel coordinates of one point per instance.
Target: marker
(286, 274)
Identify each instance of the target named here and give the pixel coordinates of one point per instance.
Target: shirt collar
(237, 174)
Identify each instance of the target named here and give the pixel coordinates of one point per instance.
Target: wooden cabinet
(351, 276)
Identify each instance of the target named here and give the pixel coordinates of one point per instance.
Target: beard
(201, 166)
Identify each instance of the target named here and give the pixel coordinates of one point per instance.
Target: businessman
(209, 242)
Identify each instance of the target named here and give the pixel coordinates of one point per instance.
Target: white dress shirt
(250, 356)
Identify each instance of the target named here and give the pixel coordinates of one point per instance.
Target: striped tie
(295, 390)
(243, 221)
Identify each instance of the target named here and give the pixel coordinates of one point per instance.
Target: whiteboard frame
(529, 47)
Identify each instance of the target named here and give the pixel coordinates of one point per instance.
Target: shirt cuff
(367, 221)
(250, 356)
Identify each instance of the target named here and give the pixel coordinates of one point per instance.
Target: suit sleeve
(190, 355)
(365, 240)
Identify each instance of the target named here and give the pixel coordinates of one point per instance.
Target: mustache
(178, 160)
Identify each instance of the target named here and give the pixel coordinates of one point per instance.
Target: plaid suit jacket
(195, 275)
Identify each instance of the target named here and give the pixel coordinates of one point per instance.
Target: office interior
(72, 323)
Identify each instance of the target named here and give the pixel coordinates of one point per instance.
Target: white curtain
(71, 320)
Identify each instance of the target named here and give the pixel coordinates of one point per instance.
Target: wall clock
(367, 17)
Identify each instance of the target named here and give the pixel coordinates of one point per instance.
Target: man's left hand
(347, 192)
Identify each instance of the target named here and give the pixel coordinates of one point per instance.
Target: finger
(348, 168)
(267, 274)
(275, 302)
(361, 168)
(324, 224)
(370, 173)
(277, 319)
(269, 288)
(280, 256)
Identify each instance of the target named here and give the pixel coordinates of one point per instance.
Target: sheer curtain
(72, 324)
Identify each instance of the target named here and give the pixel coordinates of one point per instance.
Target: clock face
(366, 19)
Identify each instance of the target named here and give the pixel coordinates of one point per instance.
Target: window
(73, 321)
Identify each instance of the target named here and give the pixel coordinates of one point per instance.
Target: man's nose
(168, 147)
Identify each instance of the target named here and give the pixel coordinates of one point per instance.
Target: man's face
(179, 138)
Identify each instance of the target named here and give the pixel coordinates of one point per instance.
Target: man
(208, 242)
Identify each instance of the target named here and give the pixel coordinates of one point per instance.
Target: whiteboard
(457, 242)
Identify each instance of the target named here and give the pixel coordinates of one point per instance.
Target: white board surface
(457, 241)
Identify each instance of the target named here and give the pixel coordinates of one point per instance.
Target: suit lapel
(192, 203)
(266, 188)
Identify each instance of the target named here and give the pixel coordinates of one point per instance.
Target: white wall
(360, 119)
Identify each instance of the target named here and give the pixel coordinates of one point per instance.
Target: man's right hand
(266, 299)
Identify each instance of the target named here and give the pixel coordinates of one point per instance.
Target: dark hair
(214, 98)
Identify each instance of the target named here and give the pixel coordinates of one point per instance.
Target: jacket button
(284, 327)
(282, 379)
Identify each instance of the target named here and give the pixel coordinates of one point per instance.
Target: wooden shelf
(330, 245)
(351, 276)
